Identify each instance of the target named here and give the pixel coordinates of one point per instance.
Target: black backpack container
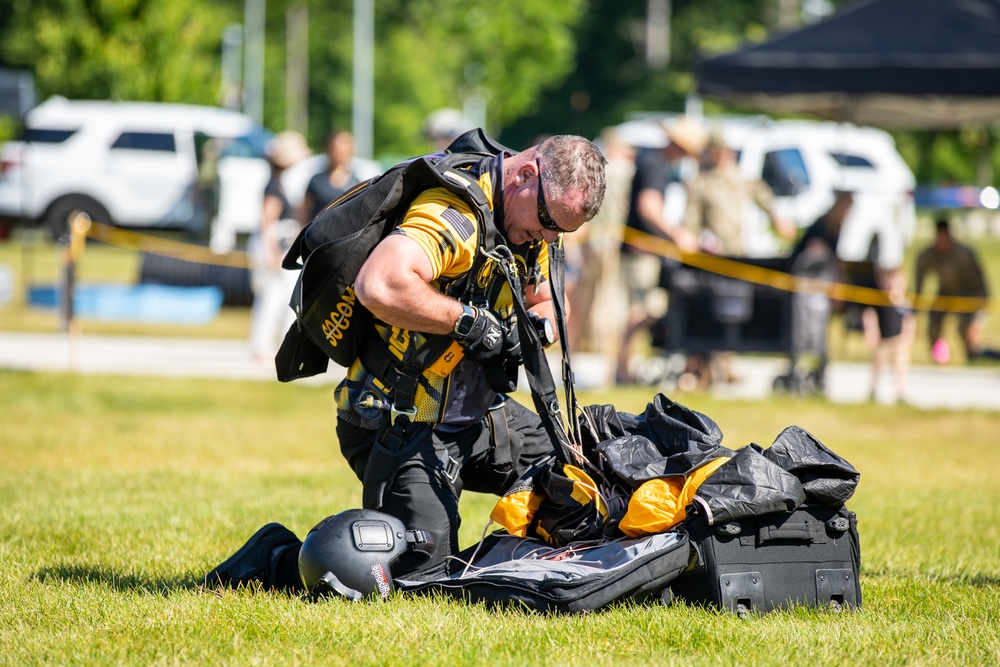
(330, 322)
(505, 571)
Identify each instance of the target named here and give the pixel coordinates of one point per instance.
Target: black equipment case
(809, 556)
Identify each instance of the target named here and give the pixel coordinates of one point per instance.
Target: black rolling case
(809, 556)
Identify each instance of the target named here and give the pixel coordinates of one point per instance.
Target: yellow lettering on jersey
(446, 363)
(398, 342)
(340, 318)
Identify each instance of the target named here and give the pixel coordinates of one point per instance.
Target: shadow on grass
(117, 581)
(974, 579)
(977, 580)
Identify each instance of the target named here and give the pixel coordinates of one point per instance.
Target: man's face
(532, 213)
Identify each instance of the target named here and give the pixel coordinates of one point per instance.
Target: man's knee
(423, 498)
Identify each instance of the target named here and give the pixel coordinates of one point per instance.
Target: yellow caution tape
(759, 275)
(711, 263)
(160, 246)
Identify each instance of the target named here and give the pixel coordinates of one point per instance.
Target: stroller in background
(811, 312)
(710, 313)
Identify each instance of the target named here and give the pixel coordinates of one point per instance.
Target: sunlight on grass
(118, 493)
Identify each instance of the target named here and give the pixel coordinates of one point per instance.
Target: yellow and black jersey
(452, 390)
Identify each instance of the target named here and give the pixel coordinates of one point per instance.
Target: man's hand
(485, 339)
(490, 344)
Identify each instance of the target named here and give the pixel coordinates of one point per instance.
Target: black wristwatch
(546, 332)
(463, 325)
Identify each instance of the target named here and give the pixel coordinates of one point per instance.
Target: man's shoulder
(965, 250)
(438, 199)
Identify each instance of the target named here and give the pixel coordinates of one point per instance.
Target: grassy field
(119, 493)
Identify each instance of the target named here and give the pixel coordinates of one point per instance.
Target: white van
(133, 164)
(804, 163)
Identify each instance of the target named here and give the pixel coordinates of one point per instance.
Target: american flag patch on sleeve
(463, 227)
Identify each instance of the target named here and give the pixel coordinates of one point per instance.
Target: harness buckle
(395, 414)
(450, 467)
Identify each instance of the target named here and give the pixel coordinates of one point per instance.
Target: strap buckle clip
(450, 466)
(395, 414)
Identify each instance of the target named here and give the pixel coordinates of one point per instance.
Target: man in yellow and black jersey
(411, 282)
(462, 432)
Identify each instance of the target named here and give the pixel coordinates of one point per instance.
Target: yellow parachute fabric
(660, 503)
(516, 510)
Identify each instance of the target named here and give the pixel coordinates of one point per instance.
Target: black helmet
(351, 553)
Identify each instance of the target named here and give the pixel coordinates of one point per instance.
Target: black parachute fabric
(677, 427)
(636, 459)
(557, 502)
(605, 422)
(748, 485)
(667, 439)
(572, 511)
(826, 477)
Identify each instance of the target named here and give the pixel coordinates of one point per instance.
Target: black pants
(421, 482)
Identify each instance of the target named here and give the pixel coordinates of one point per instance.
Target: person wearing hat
(270, 315)
(647, 301)
(444, 126)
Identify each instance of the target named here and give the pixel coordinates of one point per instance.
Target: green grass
(118, 493)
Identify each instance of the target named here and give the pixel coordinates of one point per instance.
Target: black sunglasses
(544, 216)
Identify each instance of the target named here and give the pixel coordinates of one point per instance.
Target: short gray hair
(573, 163)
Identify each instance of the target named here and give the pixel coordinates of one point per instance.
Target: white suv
(132, 164)
(805, 162)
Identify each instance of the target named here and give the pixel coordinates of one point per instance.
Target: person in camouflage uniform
(959, 274)
(718, 199)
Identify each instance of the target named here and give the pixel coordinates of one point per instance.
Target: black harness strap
(536, 367)
(557, 275)
(500, 435)
(403, 378)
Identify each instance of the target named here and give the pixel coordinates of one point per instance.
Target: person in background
(339, 176)
(959, 274)
(718, 199)
(444, 126)
(592, 257)
(815, 258)
(640, 268)
(272, 286)
(889, 330)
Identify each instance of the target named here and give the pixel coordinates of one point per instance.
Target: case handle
(802, 532)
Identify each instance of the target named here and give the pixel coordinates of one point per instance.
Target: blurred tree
(530, 67)
(440, 53)
(165, 50)
(612, 77)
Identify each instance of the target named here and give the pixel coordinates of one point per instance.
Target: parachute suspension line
(472, 559)
(543, 389)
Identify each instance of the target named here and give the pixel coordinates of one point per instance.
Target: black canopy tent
(898, 64)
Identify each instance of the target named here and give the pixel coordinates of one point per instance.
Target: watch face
(465, 321)
(550, 333)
